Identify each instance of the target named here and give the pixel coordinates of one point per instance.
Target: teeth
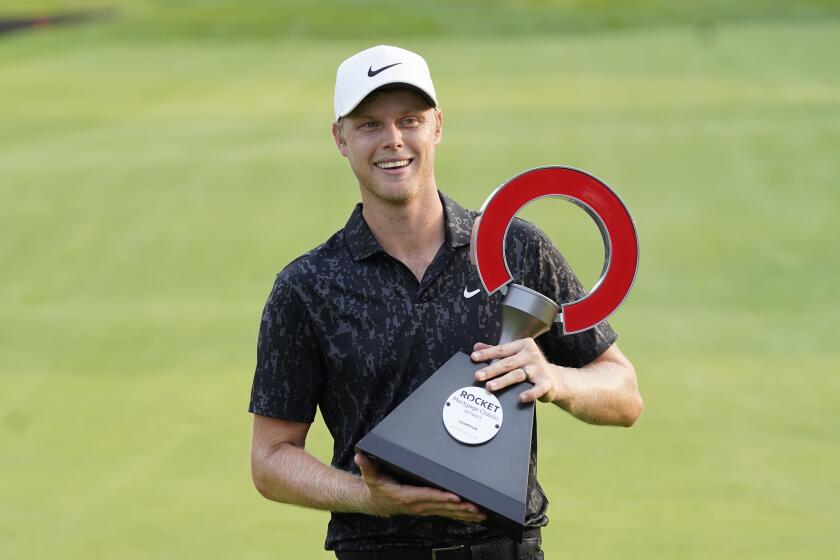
(393, 164)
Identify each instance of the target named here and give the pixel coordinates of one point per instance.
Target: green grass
(150, 191)
(395, 20)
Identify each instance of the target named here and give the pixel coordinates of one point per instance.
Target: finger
(437, 508)
(539, 389)
(506, 380)
(460, 515)
(501, 367)
(481, 346)
(495, 352)
(365, 466)
(370, 475)
(468, 517)
(407, 494)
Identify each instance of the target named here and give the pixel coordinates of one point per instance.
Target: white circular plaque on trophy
(472, 415)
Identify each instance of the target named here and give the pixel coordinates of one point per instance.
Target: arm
(604, 391)
(283, 471)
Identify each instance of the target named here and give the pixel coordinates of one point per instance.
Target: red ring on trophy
(621, 244)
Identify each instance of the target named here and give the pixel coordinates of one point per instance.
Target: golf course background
(159, 167)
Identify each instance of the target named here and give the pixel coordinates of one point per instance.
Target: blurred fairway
(151, 189)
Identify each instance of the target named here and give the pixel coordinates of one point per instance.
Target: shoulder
(525, 231)
(525, 240)
(315, 260)
(304, 273)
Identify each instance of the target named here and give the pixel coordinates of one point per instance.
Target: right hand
(388, 497)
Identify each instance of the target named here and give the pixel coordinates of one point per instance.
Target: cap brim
(391, 85)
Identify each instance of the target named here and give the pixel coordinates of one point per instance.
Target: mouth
(394, 164)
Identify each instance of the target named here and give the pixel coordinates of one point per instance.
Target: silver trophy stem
(526, 313)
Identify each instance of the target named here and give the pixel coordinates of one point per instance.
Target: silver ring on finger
(527, 375)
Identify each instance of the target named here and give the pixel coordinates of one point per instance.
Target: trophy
(451, 433)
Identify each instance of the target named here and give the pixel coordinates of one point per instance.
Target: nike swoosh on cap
(372, 72)
(468, 294)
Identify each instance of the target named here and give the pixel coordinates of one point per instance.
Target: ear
(339, 139)
(438, 126)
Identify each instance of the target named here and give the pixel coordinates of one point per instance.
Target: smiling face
(390, 141)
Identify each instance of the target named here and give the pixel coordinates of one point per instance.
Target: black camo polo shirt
(349, 329)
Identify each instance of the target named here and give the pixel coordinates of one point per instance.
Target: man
(358, 323)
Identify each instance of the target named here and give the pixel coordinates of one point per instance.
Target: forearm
(289, 474)
(284, 472)
(604, 392)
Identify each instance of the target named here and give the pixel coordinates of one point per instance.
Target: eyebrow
(369, 116)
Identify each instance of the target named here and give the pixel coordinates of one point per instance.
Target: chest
(381, 322)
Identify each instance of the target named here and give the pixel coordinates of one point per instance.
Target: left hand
(518, 361)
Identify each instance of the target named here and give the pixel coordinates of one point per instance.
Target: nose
(393, 139)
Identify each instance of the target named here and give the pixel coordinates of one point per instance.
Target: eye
(410, 121)
(368, 125)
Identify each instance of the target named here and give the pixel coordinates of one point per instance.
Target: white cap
(376, 67)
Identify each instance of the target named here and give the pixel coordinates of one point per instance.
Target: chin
(394, 195)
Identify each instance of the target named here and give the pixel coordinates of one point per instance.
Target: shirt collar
(458, 223)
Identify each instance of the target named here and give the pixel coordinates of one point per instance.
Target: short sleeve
(556, 280)
(289, 374)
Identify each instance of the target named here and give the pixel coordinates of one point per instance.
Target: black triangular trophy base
(412, 445)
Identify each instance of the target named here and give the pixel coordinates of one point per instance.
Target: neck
(411, 232)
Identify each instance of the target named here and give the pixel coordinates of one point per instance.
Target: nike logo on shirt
(468, 294)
